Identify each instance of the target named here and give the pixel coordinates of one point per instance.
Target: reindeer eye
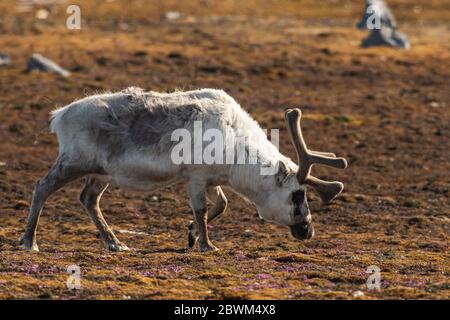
(298, 196)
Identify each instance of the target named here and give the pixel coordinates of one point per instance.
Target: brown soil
(386, 111)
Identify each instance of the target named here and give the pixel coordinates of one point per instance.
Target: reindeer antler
(306, 158)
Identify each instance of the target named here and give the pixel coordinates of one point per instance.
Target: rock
(382, 25)
(358, 294)
(39, 63)
(42, 14)
(382, 12)
(45, 295)
(20, 205)
(4, 59)
(171, 16)
(386, 37)
(434, 104)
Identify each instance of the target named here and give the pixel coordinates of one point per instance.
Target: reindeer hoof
(29, 245)
(117, 247)
(208, 248)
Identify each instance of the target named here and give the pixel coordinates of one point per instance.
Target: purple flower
(289, 269)
(149, 274)
(173, 268)
(241, 255)
(112, 287)
(263, 276)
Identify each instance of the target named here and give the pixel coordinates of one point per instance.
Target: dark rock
(386, 37)
(140, 53)
(20, 205)
(382, 25)
(45, 295)
(102, 61)
(175, 55)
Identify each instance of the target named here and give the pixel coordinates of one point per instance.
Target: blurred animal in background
(380, 21)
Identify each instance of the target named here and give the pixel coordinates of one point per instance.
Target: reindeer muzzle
(302, 231)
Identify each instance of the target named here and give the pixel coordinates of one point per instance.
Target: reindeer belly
(127, 182)
(142, 173)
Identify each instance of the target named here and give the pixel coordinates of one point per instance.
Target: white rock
(42, 14)
(4, 59)
(172, 15)
(40, 63)
(358, 294)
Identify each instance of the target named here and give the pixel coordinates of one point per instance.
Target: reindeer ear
(282, 173)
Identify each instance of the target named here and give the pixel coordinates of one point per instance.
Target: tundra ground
(387, 111)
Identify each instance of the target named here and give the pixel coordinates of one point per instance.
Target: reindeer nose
(302, 231)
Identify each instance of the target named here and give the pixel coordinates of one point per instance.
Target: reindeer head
(287, 204)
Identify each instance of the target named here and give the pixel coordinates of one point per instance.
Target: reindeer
(124, 139)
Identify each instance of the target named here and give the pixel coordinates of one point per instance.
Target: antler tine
(320, 153)
(305, 157)
(327, 190)
(293, 124)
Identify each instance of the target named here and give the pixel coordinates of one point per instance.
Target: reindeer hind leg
(90, 198)
(62, 172)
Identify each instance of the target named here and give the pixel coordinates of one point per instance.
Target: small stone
(20, 205)
(124, 26)
(155, 198)
(42, 14)
(358, 294)
(434, 104)
(4, 59)
(45, 295)
(171, 15)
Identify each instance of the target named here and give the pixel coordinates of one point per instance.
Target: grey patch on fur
(39, 63)
(4, 59)
(144, 125)
(387, 35)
